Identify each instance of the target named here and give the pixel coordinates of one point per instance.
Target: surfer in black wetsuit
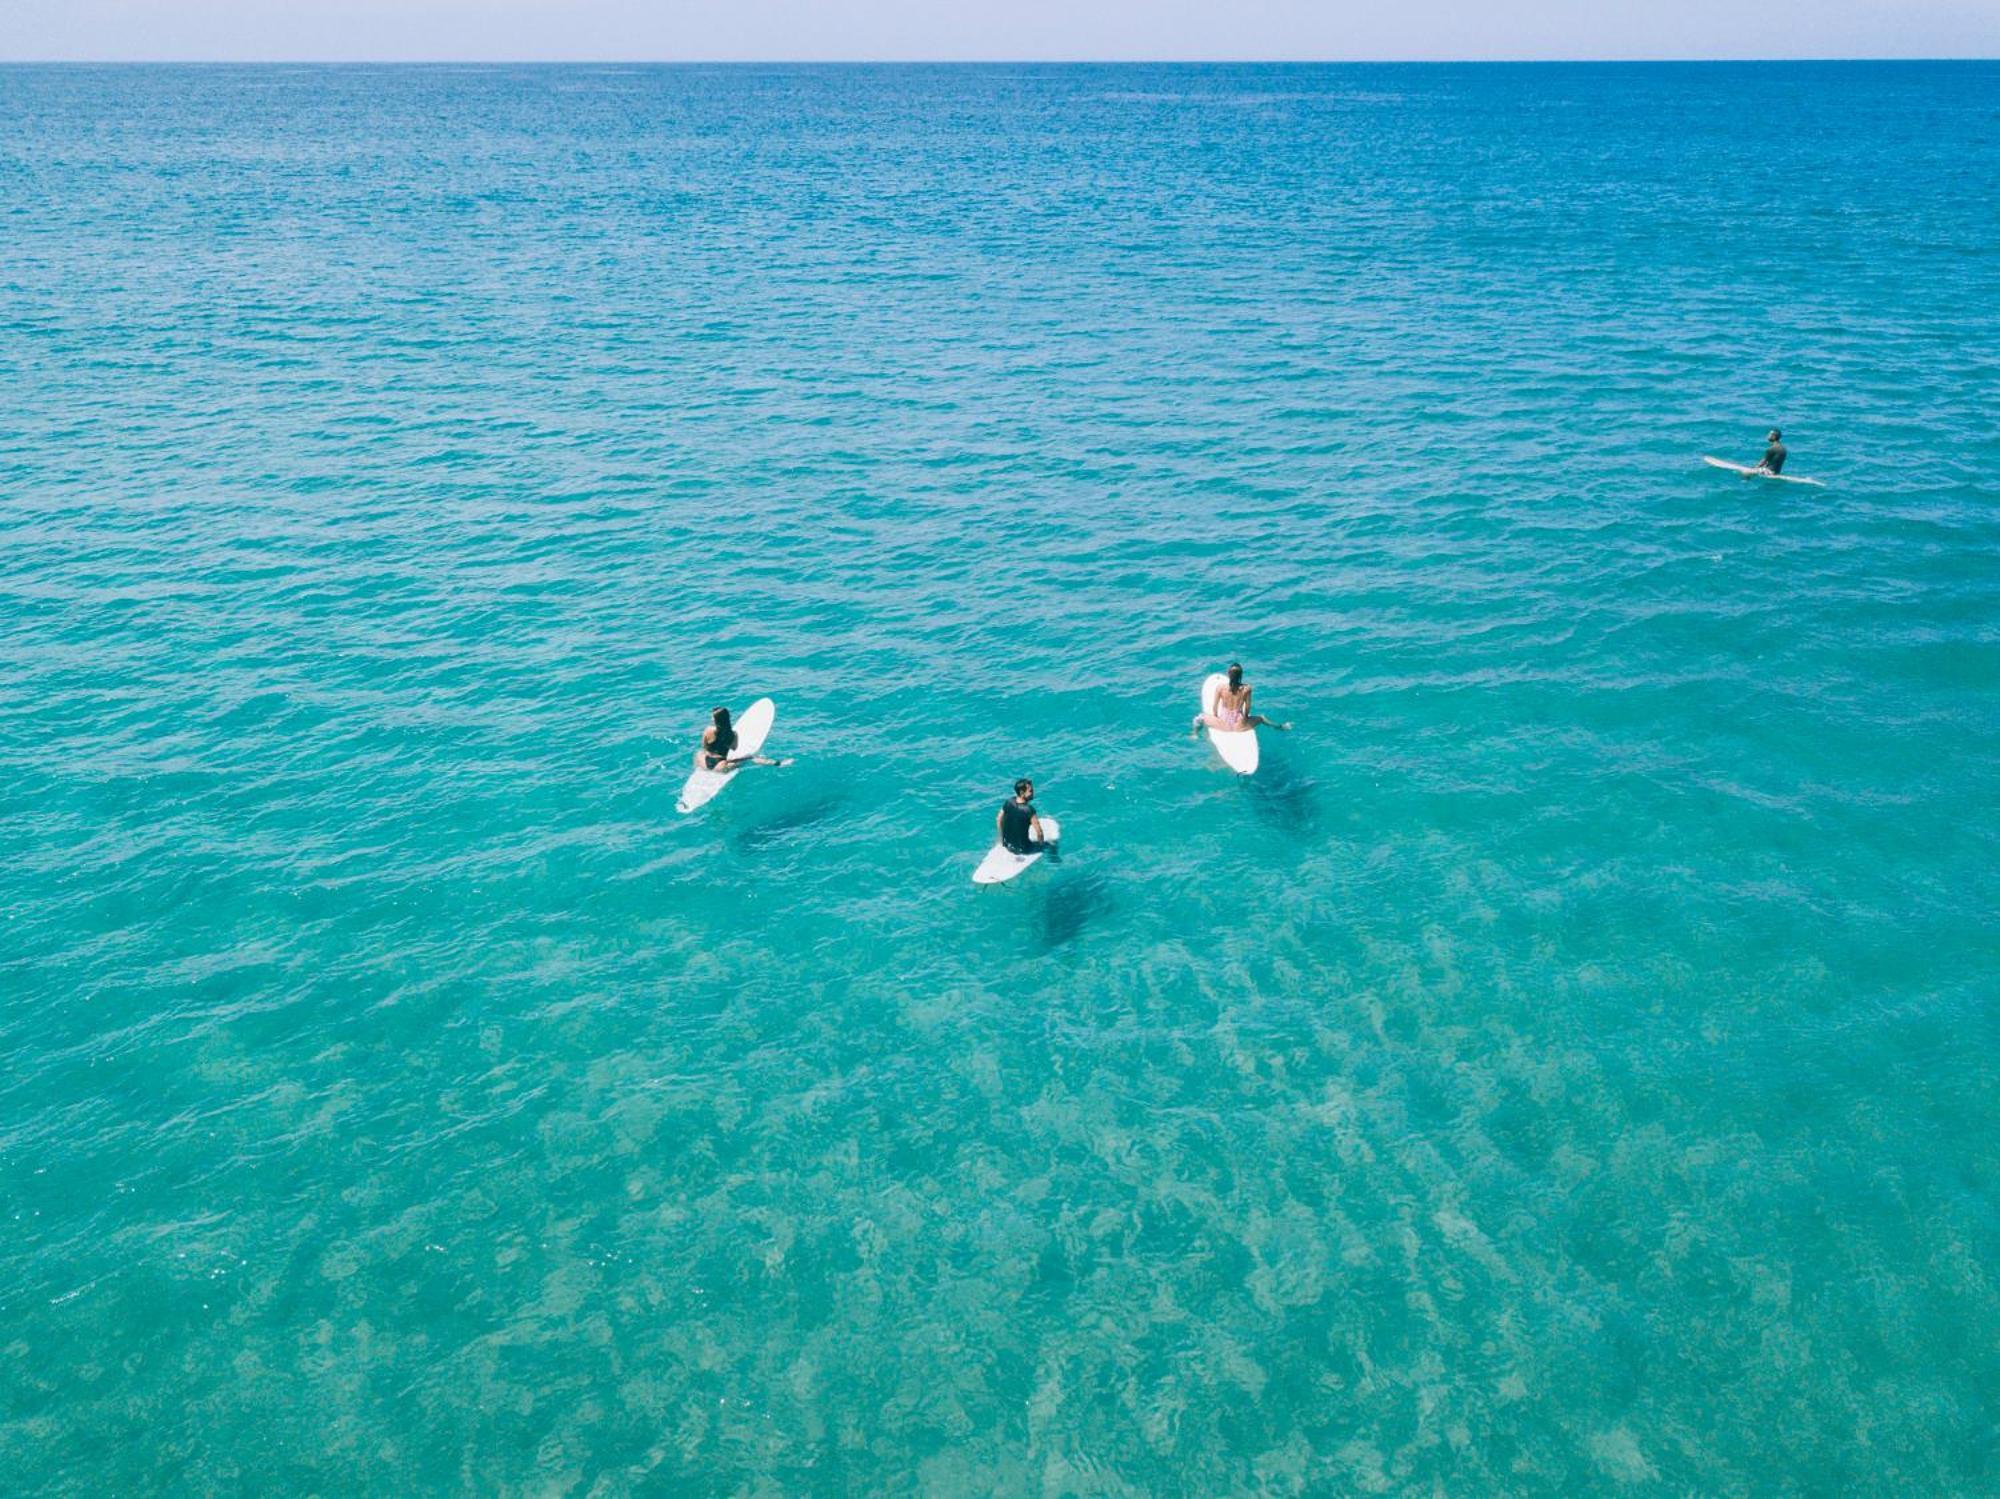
(1020, 829)
(1774, 454)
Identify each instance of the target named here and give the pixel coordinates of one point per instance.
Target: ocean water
(1568, 1066)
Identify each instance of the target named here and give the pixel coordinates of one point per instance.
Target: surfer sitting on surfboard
(1774, 454)
(1232, 708)
(718, 740)
(1020, 829)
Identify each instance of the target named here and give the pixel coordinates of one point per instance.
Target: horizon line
(1793, 60)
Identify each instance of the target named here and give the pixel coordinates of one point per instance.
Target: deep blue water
(1567, 1066)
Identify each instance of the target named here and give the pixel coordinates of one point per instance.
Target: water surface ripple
(1567, 1067)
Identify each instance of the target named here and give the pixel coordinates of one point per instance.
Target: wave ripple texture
(1568, 1066)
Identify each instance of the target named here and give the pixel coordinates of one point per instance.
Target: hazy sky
(993, 29)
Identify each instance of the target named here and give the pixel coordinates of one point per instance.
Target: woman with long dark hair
(717, 750)
(1232, 707)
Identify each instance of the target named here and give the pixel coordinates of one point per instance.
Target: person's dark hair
(1021, 786)
(1235, 674)
(1776, 436)
(725, 734)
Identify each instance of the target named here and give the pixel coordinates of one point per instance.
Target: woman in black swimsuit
(718, 743)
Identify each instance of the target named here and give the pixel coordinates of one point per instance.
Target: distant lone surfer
(1020, 829)
(1774, 454)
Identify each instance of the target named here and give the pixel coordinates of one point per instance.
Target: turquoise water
(1568, 1066)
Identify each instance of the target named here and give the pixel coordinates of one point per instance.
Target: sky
(997, 30)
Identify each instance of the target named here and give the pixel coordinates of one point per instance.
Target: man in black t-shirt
(1774, 454)
(1020, 829)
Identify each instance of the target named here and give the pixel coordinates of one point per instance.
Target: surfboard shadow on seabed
(799, 818)
(1284, 800)
(1069, 905)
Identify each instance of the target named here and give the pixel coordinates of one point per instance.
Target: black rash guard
(1014, 819)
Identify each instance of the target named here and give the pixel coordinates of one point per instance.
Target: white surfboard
(1001, 863)
(1758, 473)
(1238, 747)
(753, 727)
